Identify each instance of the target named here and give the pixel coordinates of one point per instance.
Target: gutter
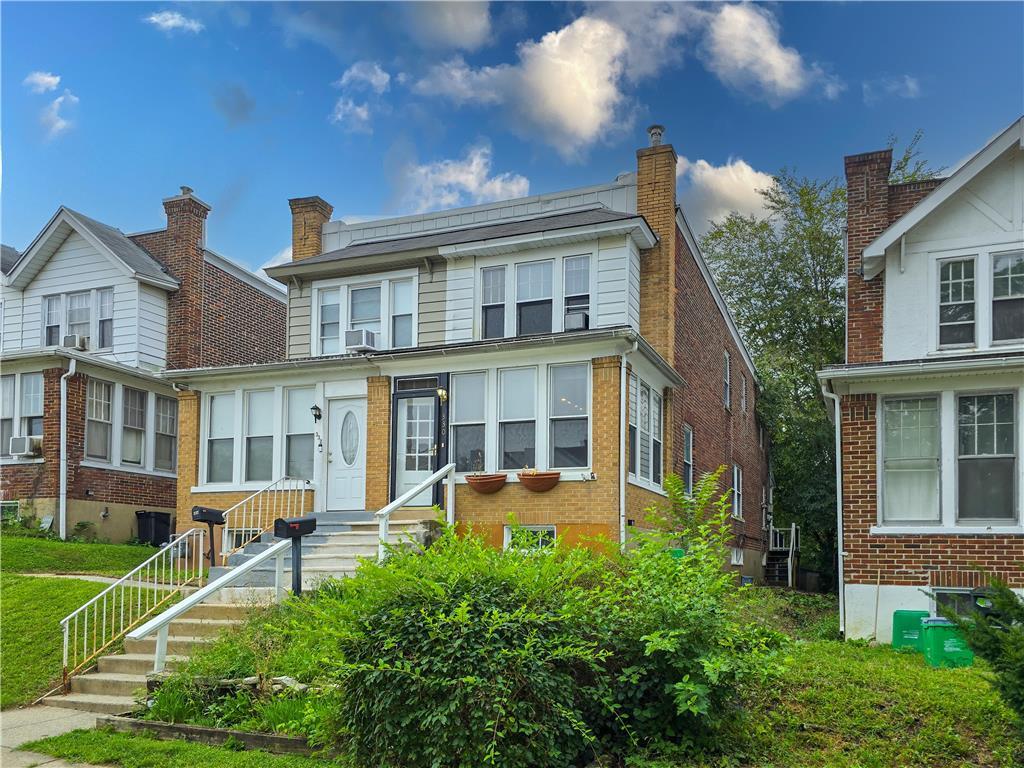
(938, 365)
(841, 554)
(63, 499)
(623, 428)
(83, 357)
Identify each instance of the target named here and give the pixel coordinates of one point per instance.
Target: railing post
(160, 656)
(450, 517)
(279, 577)
(64, 673)
(382, 536)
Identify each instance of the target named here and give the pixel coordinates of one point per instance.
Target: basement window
(530, 537)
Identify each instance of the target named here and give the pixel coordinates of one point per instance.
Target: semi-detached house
(89, 318)
(577, 331)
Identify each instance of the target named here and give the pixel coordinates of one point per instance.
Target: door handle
(433, 450)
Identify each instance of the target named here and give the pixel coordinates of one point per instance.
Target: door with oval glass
(346, 455)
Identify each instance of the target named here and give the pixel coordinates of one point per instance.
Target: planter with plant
(538, 482)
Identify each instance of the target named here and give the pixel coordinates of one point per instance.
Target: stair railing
(384, 514)
(254, 515)
(105, 619)
(161, 624)
(791, 556)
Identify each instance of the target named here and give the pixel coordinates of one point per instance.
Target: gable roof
(874, 253)
(9, 256)
(133, 258)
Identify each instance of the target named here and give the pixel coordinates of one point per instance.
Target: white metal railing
(160, 624)
(103, 620)
(247, 520)
(384, 514)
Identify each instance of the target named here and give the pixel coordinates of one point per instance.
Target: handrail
(130, 599)
(384, 514)
(791, 559)
(159, 624)
(257, 512)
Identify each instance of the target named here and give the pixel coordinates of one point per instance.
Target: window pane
(1008, 319)
(219, 460)
(299, 417)
(533, 281)
(468, 397)
(132, 441)
(956, 334)
(568, 390)
(6, 433)
(986, 489)
(330, 322)
(401, 331)
(1008, 275)
(569, 443)
(31, 394)
(97, 440)
(299, 456)
(577, 275)
(134, 408)
(99, 400)
(166, 416)
(166, 452)
(7, 397)
(632, 449)
(106, 301)
(106, 334)
(493, 288)
(222, 415)
(534, 318)
(78, 313)
(518, 390)
(516, 445)
(468, 447)
(260, 414)
(365, 304)
(259, 458)
(494, 322)
(401, 297)
(32, 426)
(52, 310)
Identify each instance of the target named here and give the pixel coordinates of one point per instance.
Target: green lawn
(29, 554)
(31, 646)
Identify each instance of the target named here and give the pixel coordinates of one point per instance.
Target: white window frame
(247, 436)
(9, 416)
(688, 464)
(238, 481)
(17, 416)
(727, 381)
(112, 404)
(125, 427)
(551, 418)
(880, 442)
(737, 492)
(63, 307)
(552, 266)
(345, 286)
(411, 314)
(539, 441)
(287, 433)
(974, 260)
(482, 422)
(36, 413)
(1001, 522)
(637, 384)
(488, 305)
(159, 431)
(992, 256)
(585, 309)
(507, 537)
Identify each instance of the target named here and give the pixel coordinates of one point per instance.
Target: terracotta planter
(486, 483)
(539, 482)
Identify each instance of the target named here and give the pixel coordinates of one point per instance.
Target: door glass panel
(349, 438)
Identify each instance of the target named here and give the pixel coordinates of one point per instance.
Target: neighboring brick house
(577, 331)
(90, 317)
(931, 398)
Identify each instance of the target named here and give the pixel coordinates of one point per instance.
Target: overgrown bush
(466, 655)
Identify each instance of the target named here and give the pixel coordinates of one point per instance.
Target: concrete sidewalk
(20, 726)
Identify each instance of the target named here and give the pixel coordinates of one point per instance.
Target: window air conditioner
(26, 446)
(74, 341)
(577, 321)
(360, 341)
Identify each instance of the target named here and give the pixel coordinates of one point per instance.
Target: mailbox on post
(295, 528)
(211, 517)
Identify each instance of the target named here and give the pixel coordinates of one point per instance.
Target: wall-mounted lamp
(442, 394)
(317, 413)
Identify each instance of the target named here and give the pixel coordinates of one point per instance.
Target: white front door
(346, 455)
(416, 447)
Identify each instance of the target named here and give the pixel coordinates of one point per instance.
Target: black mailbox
(207, 515)
(294, 527)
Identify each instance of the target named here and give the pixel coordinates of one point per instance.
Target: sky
(391, 109)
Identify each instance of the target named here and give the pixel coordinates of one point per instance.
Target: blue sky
(385, 109)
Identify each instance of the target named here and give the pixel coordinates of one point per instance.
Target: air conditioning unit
(26, 446)
(74, 341)
(577, 321)
(360, 341)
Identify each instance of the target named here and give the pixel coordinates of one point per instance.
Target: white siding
(459, 301)
(152, 327)
(612, 303)
(633, 290)
(299, 320)
(432, 309)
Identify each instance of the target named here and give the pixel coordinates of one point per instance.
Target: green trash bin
(943, 645)
(906, 629)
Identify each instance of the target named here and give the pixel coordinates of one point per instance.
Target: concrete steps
(93, 702)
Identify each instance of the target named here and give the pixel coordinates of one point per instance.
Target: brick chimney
(182, 253)
(309, 214)
(656, 202)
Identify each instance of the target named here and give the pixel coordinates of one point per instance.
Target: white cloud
(565, 87)
(172, 21)
(897, 87)
(462, 26)
(284, 256)
(365, 74)
(54, 121)
(353, 117)
(711, 192)
(742, 48)
(653, 31)
(451, 183)
(41, 82)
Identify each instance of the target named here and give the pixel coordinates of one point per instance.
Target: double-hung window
(259, 435)
(688, 458)
(364, 309)
(956, 303)
(6, 413)
(98, 419)
(986, 458)
(1008, 296)
(78, 313)
(220, 443)
(298, 441)
(492, 302)
(910, 460)
(330, 321)
(533, 297)
(634, 421)
(517, 417)
(576, 288)
(32, 404)
(401, 313)
(726, 380)
(468, 421)
(737, 491)
(51, 321)
(105, 311)
(166, 442)
(133, 426)
(645, 431)
(569, 416)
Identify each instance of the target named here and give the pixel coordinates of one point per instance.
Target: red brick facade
(240, 324)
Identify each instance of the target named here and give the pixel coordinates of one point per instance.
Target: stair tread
(115, 676)
(98, 698)
(143, 656)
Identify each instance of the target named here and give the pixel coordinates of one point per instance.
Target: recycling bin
(906, 629)
(943, 645)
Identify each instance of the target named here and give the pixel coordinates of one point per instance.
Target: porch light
(317, 413)
(442, 394)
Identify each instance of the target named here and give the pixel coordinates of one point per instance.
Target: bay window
(133, 426)
(6, 413)
(956, 303)
(533, 297)
(220, 441)
(986, 458)
(32, 404)
(569, 416)
(166, 443)
(910, 460)
(1008, 296)
(364, 309)
(98, 419)
(576, 289)
(259, 435)
(298, 440)
(492, 302)
(517, 395)
(468, 421)
(401, 313)
(330, 321)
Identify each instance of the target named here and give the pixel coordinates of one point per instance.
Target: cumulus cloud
(41, 82)
(742, 48)
(234, 103)
(653, 31)
(353, 117)
(54, 116)
(711, 192)
(565, 87)
(463, 26)
(172, 21)
(365, 74)
(281, 257)
(896, 87)
(454, 182)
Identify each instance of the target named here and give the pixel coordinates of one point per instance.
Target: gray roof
(8, 258)
(471, 234)
(133, 255)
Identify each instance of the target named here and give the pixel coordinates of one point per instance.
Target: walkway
(20, 726)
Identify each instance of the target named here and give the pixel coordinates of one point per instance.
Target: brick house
(89, 318)
(929, 404)
(578, 331)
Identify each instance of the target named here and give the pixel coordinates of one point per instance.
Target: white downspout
(839, 506)
(63, 500)
(623, 429)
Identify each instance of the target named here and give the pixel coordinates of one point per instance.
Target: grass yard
(31, 554)
(31, 608)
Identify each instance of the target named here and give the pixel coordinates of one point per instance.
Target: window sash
(31, 394)
(957, 314)
(726, 380)
(99, 419)
(364, 308)
(688, 459)
(737, 491)
(517, 421)
(568, 416)
(78, 313)
(911, 446)
(329, 321)
(987, 458)
(298, 439)
(51, 321)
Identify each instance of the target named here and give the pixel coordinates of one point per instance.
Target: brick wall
(309, 214)
(923, 560)
(39, 480)
(378, 442)
(656, 202)
(240, 324)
